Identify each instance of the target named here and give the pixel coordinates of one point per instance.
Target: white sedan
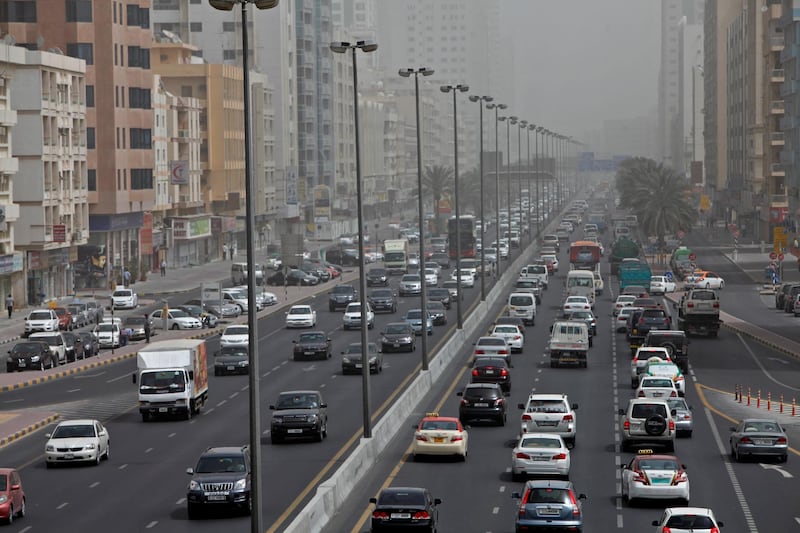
(511, 333)
(466, 281)
(431, 278)
(576, 303)
(75, 441)
(551, 258)
(654, 477)
(623, 300)
(539, 454)
(176, 319)
(301, 316)
(661, 285)
(234, 336)
(439, 435)
(656, 387)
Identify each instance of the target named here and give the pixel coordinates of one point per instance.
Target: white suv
(647, 421)
(352, 316)
(41, 320)
(642, 357)
(550, 413)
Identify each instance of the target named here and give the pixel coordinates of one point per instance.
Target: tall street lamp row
(480, 100)
(497, 108)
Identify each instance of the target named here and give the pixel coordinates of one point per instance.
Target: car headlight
(373, 359)
(49, 448)
(384, 339)
(240, 484)
(311, 418)
(277, 419)
(35, 358)
(194, 485)
(3, 498)
(90, 446)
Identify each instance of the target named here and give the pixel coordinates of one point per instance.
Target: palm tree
(437, 181)
(657, 196)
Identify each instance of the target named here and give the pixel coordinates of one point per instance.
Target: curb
(5, 441)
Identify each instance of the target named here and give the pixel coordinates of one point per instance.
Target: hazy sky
(579, 62)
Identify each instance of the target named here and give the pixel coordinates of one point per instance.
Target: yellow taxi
(440, 435)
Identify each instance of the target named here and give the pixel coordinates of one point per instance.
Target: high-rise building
(114, 39)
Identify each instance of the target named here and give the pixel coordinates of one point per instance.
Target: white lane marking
(74, 390)
(619, 521)
(122, 467)
(737, 488)
(27, 528)
(171, 435)
(93, 485)
(495, 510)
(148, 450)
(778, 359)
(267, 374)
(778, 469)
(151, 525)
(124, 376)
(764, 370)
(221, 403)
(181, 501)
(502, 488)
(234, 395)
(62, 505)
(84, 376)
(796, 519)
(208, 411)
(276, 368)
(14, 401)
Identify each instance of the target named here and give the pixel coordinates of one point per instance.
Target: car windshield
(300, 311)
(39, 315)
(761, 425)
(414, 314)
(539, 442)
(490, 361)
(122, 294)
(177, 313)
(107, 327)
(678, 403)
(73, 431)
(441, 425)
(377, 272)
(239, 351)
(342, 289)
(506, 329)
(658, 464)
(134, 320)
(217, 464)
(297, 401)
(382, 293)
(236, 330)
(576, 300)
(397, 329)
(237, 295)
(645, 410)
(27, 347)
(410, 277)
(656, 383)
(74, 309)
(312, 337)
(521, 301)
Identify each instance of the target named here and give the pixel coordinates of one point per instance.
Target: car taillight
(641, 321)
(576, 511)
(499, 401)
(479, 352)
(517, 337)
(671, 425)
(380, 515)
(522, 455)
(679, 477)
(690, 304)
(781, 440)
(641, 477)
(714, 529)
(626, 425)
(504, 372)
(745, 440)
(641, 394)
(526, 417)
(665, 529)
(422, 437)
(716, 305)
(503, 352)
(559, 456)
(464, 401)
(475, 372)
(673, 394)
(456, 438)
(568, 418)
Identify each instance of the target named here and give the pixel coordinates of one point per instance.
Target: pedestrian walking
(127, 276)
(10, 305)
(163, 267)
(224, 252)
(233, 251)
(146, 328)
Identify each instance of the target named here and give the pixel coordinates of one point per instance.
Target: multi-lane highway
(747, 497)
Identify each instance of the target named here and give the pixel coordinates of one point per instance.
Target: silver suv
(647, 421)
(550, 413)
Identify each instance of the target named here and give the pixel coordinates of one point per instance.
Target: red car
(64, 318)
(11, 495)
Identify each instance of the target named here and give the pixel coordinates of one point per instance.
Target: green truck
(680, 262)
(623, 248)
(634, 272)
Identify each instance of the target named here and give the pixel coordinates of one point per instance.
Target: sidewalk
(16, 424)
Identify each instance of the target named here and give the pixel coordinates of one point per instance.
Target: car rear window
(491, 342)
(521, 300)
(546, 406)
(691, 522)
(704, 295)
(482, 392)
(645, 410)
(401, 499)
(654, 313)
(490, 361)
(548, 495)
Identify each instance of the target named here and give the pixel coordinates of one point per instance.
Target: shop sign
(59, 233)
(11, 263)
(179, 229)
(199, 227)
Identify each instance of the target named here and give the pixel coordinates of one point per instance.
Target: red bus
(466, 227)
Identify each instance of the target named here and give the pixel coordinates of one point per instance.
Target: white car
(124, 298)
(655, 477)
(623, 300)
(599, 284)
(688, 519)
(436, 435)
(55, 341)
(234, 335)
(107, 334)
(704, 280)
(236, 297)
(263, 298)
(301, 316)
(433, 265)
(550, 413)
(74, 441)
(662, 369)
(656, 387)
(352, 316)
(413, 259)
(492, 346)
(576, 303)
(431, 278)
(502, 249)
(467, 280)
(643, 356)
(511, 333)
(621, 321)
(552, 259)
(176, 319)
(41, 320)
(539, 454)
(661, 285)
(410, 284)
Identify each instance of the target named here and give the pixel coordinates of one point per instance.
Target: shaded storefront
(191, 241)
(120, 236)
(12, 278)
(50, 273)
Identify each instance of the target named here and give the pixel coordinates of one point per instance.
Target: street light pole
(424, 290)
(256, 517)
(511, 120)
(523, 124)
(341, 48)
(537, 165)
(480, 100)
(531, 127)
(496, 108)
(455, 89)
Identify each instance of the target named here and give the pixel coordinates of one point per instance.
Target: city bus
(466, 226)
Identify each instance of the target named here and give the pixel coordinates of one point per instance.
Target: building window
(141, 179)
(18, 11)
(166, 4)
(138, 98)
(228, 26)
(90, 96)
(228, 55)
(79, 10)
(140, 139)
(91, 176)
(90, 138)
(83, 51)
(196, 27)
(139, 57)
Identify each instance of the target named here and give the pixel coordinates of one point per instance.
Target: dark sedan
(399, 508)
(30, 356)
(439, 294)
(73, 346)
(492, 370)
(382, 300)
(312, 345)
(294, 277)
(341, 257)
(482, 401)
(352, 361)
(91, 346)
(377, 276)
(438, 313)
(232, 360)
(398, 337)
(442, 258)
(759, 437)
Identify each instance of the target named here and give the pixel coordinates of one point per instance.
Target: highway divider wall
(332, 493)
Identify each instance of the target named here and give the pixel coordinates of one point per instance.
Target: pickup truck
(698, 312)
(538, 272)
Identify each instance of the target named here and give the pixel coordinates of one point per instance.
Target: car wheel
(107, 455)
(216, 370)
(10, 519)
(22, 510)
(41, 365)
(97, 458)
(783, 458)
(274, 439)
(318, 436)
(174, 326)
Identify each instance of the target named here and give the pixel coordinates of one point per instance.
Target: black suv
(482, 401)
(340, 296)
(220, 479)
(439, 294)
(382, 300)
(377, 276)
(676, 343)
(299, 414)
(312, 345)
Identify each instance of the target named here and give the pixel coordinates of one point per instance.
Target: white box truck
(395, 256)
(173, 378)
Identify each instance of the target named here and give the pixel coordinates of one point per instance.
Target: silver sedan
(759, 437)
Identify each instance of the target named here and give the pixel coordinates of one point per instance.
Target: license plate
(546, 422)
(397, 345)
(162, 409)
(21, 364)
(490, 372)
(762, 442)
(540, 458)
(549, 512)
(400, 516)
(657, 395)
(229, 368)
(294, 431)
(438, 439)
(309, 353)
(358, 365)
(68, 456)
(481, 405)
(217, 497)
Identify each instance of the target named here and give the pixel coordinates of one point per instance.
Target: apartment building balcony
(777, 170)
(777, 138)
(778, 200)
(9, 165)
(776, 42)
(777, 107)
(788, 88)
(777, 75)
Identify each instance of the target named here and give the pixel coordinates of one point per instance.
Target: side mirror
(437, 501)
(654, 522)
(373, 500)
(621, 412)
(581, 496)
(133, 378)
(732, 428)
(516, 495)
(459, 394)
(521, 405)
(272, 407)
(720, 524)
(574, 406)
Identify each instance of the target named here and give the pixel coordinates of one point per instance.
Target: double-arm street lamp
(531, 127)
(480, 100)
(406, 72)
(455, 89)
(496, 108)
(256, 516)
(341, 48)
(538, 165)
(523, 124)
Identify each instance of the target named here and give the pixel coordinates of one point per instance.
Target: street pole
(530, 171)
(538, 176)
(511, 120)
(523, 124)
(497, 108)
(480, 100)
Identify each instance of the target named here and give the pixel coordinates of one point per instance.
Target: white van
(522, 305)
(239, 274)
(581, 283)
